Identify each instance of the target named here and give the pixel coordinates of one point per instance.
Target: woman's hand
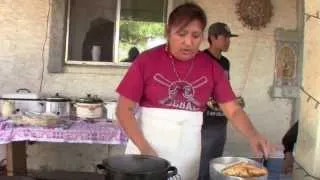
(148, 150)
(260, 144)
(288, 163)
(125, 115)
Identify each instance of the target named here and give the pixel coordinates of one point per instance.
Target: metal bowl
(218, 164)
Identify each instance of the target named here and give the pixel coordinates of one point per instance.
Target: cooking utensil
(110, 108)
(7, 108)
(24, 100)
(218, 164)
(264, 161)
(17, 178)
(58, 105)
(137, 167)
(89, 107)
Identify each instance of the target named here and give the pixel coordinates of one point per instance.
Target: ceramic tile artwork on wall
(286, 64)
(286, 69)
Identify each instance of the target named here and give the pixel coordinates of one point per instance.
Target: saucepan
(218, 164)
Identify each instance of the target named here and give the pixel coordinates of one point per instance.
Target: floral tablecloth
(101, 132)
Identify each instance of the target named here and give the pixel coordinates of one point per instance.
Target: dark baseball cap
(220, 28)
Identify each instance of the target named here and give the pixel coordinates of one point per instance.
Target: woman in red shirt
(171, 84)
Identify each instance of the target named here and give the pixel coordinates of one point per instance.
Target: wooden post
(16, 159)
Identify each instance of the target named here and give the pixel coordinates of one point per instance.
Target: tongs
(264, 161)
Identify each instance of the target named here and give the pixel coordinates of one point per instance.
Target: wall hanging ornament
(254, 14)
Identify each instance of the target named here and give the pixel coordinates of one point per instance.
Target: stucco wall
(252, 56)
(307, 150)
(22, 35)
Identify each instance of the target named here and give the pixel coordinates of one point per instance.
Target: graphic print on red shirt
(181, 94)
(156, 80)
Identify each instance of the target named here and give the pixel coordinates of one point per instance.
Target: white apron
(175, 135)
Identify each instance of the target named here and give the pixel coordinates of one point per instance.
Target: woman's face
(184, 42)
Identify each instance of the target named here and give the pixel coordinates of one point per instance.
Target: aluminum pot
(218, 164)
(25, 101)
(110, 108)
(58, 105)
(89, 107)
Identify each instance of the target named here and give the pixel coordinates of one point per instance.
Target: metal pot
(89, 107)
(7, 109)
(138, 167)
(58, 105)
(24, 101)
(110, 108)
(17, 178)
(216, 166)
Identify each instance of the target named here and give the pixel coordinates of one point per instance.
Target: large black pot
(137, 167)
(16, 178)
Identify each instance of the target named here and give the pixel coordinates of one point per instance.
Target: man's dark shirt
(213, 115)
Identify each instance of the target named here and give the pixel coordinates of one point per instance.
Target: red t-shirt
(157, 80)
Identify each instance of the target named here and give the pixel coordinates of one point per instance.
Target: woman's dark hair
(186, 13)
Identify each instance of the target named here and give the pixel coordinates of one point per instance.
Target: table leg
(16, 156)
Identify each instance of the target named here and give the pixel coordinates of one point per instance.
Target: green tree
(138, 32)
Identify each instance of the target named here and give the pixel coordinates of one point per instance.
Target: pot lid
(136, 164)
(57, 98)
(89, 99)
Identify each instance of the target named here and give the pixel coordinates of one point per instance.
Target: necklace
(174, 67)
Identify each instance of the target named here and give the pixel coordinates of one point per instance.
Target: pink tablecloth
(78, 132)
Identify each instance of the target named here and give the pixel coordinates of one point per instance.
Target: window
(103, 32)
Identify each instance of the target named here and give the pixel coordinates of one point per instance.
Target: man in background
(214, 128)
